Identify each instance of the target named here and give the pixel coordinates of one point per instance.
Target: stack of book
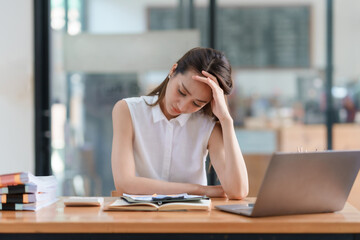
(24, 191)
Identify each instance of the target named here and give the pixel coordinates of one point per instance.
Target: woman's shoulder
(136, 106)
(120, 107)
(121, 116)
(139, 100)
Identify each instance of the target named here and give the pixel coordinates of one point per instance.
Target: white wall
(16, 86)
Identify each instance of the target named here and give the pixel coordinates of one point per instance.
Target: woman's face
(184, 95)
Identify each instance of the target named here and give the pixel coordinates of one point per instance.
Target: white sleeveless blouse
(173, 151)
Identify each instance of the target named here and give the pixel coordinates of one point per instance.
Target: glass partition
(346, 91)
(106, 50)
(103, 51)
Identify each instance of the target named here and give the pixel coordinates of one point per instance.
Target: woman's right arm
(123, 163)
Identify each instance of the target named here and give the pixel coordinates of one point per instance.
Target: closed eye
(197, 105)
(181, 93)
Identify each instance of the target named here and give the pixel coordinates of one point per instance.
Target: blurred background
(104, 50)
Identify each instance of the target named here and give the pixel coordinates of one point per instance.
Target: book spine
(17, 198)
(16, 189)
(11, 206)
(11, 179)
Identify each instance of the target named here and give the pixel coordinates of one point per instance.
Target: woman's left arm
(224, 149)
(228, 162)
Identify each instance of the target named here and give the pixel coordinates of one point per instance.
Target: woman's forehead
(197, 89)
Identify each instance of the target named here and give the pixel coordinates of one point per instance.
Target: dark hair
(198, 59)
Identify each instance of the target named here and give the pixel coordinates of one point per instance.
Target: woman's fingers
(216, 90)
(210, 83)
(209, 79)
(218, 102)
(209, 75)
(206, 80)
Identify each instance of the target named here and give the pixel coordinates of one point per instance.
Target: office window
(103, 51)
(277, 50)
(346, 91)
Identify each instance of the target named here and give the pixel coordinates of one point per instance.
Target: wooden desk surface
(59, 219)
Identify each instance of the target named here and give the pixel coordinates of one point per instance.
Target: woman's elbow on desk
(136, 185)
(119, 188)
(238, 195)
(124, 184)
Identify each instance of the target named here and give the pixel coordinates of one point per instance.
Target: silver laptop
(299, 183)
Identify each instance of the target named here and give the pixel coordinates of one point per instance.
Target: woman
(160, 141)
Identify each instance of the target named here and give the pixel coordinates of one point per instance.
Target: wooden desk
(58, 222)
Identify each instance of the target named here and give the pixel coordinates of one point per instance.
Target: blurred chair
(256, 165)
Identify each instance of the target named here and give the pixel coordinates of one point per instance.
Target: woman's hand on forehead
(211, 81)
(218, 103)
(206, 78)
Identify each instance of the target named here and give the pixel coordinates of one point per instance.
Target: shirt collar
(158, 115)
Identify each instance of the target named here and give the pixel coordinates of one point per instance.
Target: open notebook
(178, 202)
